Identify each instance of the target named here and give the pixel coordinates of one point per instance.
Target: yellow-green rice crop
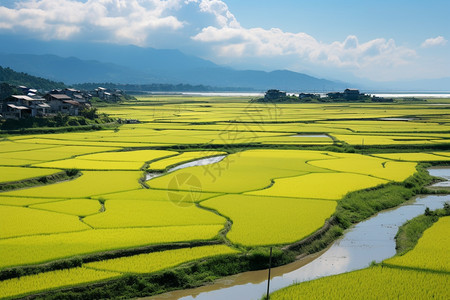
(413, 156)
(156, 261)
(366, 165)
(432, 250)
(50, 280)
(176, 197)
(183, 157)
(16, 173)
(77, 207)
(84, 164)
(90, 143)
(43, 248)
(371, 283)
(90, 183)
(121, 160)
(9, 146)
(7, 161)
(20, 221)
(442, 153)
(244, 171)
(357, 139)
(271, 220)
(141, 213)
(137, 156)
(54, 153)
(24, 201)
(320, 185)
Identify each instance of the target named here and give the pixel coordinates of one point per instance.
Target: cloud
(204, 27)
(350, 53)
(432, 42)
(130, 21)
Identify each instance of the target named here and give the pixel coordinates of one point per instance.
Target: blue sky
(348, 39)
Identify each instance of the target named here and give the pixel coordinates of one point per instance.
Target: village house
(63, 104)
(20, 106)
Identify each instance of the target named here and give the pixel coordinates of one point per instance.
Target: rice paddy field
(284, 171)
(421, 273)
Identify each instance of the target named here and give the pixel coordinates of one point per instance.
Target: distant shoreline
(256, 94)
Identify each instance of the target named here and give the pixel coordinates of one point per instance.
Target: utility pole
(268, 280)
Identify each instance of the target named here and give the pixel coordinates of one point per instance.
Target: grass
(372, 283)
(431, 251)
(414, 156)
(142, 213)
(156, 261)
(331, 186)
(89, 184)
(271, 220)
(181, 198)
(50, 280)
(258, 167)
(361, 164)
(421, 273)
(77, 207)
(15, 173)
(175, 124)
(20, 221)
(44, 248)
(183, 157)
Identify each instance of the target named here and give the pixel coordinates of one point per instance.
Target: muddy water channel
(371, 240)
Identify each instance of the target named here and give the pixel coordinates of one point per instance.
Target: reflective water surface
(371, 240)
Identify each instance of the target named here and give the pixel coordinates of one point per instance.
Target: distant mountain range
(72, 63)
(12, 77)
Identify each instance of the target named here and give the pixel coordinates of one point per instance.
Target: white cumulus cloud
(432, 42)
(204, 27)
(123, 21)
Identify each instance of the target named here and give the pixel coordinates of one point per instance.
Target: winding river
(370, 240)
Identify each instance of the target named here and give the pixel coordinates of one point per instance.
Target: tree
(89, 113)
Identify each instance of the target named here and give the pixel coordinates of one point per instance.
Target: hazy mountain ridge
(74, 62)
(12, 77)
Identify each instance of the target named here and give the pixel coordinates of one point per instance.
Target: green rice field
(285, 171)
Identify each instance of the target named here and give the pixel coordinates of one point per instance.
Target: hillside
(75, 62)
(12, 77)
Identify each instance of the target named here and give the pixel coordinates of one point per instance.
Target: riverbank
(352, 209)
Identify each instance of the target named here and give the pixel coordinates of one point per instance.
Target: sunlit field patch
(176, 197)
(54, 153)
(50, 280)
(130, 156)
(442, 153)
(9, 146)
(259, 220)
(20, 221)
(77, 207)
(24, 201)
(413, 156)
(16, 174)
(381, 168)
(89, 184)
(156, 261)
(257, 167)
(432, 250)
(332, 186)
(372, 283)
(107, 145)
(83, 164)
(43, 248)
(141, 213)
(6, 161)
(356, 139)
(183, 157)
